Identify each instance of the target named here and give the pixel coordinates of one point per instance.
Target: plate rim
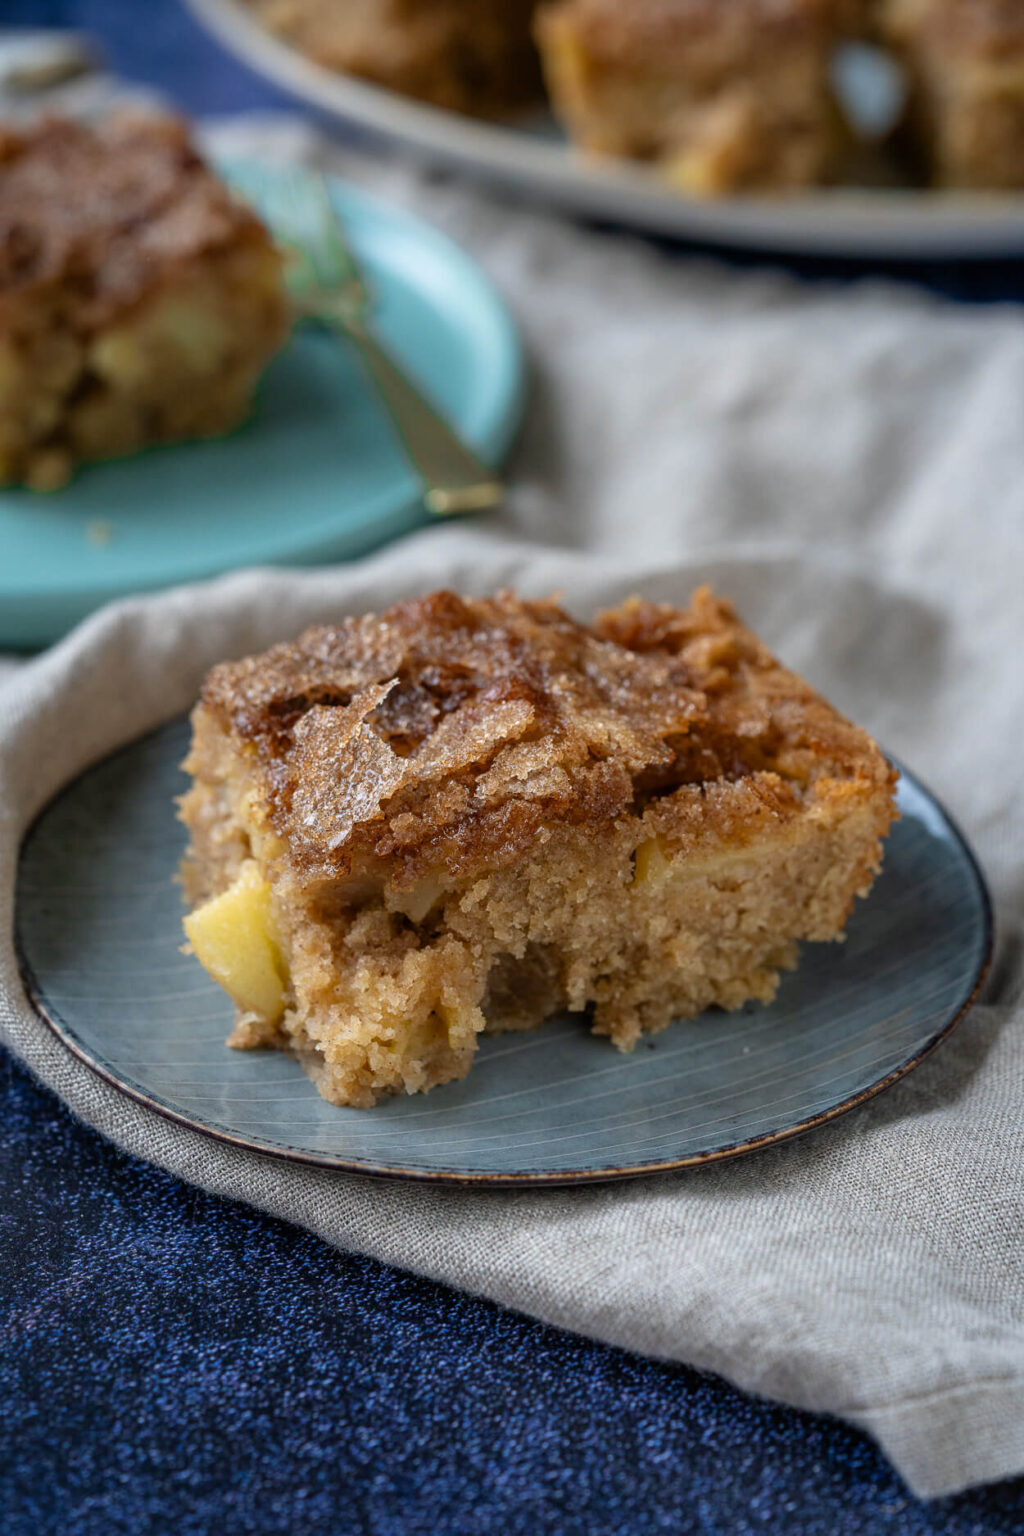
(495, 1179)
(938, 226)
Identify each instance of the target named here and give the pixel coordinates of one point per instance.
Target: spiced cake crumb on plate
(466, 815)
(139, 300)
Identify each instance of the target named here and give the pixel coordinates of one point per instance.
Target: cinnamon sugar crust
(472, 813)
(463, 726)
(107, 212)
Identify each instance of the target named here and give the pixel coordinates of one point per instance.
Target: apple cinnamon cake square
(466, 815)
(139, 300)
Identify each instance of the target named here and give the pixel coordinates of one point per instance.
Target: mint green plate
(315, 474)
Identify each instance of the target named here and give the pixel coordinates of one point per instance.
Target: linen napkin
(848, 466)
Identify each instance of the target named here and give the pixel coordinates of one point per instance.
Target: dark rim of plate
(494, 1178)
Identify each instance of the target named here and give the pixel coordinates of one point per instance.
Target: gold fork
(326, 286)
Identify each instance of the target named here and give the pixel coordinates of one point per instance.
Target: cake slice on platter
(719, 97)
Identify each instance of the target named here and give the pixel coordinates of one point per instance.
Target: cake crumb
(99, 531)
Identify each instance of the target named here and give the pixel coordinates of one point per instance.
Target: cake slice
(965, 62)
(474, 56)
(139, 301)
(723, 97)
(467, 815)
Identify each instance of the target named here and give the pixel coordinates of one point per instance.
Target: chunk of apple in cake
(139, 301)
(468, 815)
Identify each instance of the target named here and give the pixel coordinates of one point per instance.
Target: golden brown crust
(105, 213)
(449, 733)
(759, 716)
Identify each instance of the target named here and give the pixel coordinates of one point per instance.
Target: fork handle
(454, 479)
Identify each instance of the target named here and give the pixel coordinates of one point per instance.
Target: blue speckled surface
(173, 1363)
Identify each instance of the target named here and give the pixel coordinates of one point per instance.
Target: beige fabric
(849, 466)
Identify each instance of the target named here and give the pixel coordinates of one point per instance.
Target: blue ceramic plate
(315, 474)
(99, 929)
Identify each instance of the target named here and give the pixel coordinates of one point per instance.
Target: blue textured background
(173, 1363)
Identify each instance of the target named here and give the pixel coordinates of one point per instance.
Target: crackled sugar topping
(448, 732)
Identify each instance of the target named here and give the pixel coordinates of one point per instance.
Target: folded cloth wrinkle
(848, 466)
